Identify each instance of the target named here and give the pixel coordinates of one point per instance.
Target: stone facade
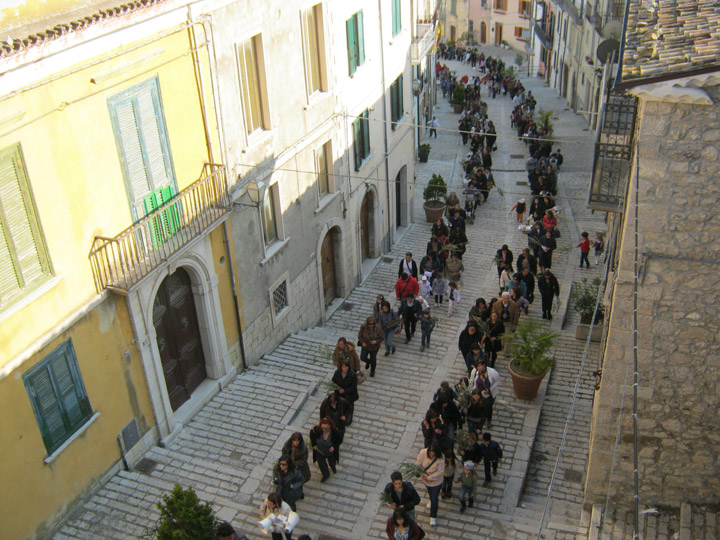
(678, 326)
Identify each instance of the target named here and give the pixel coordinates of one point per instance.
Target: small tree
(584, 298)
(435, 190)
(184, 517)
(545, 121)
(530, 348)
(519, 59)
(458, 96)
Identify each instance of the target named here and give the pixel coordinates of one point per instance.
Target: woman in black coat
(288, 481)
(325, 441)
(296, 449)
(339, 409)
(493, 341)
(346, 379)
(470, 335)
(549, 289)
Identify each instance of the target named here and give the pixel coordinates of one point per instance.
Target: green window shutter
(352, 45)
(400, 97)
(360, 38)
(366, 134)
(23, 259)
(143, 143)
(357, 143)
(396, 17)
(58, 396)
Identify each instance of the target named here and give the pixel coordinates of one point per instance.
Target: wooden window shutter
(23, 259)
(360, 38)
(365, 123)
(358, 143)
(351, 45)
(131, 146)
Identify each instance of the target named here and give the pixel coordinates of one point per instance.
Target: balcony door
(178, 337)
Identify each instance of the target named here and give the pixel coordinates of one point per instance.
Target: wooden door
(365, 228)
(327, 253)
(178, 337)
(483, 32)
(498, 33)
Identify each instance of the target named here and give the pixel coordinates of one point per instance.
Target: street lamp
(256, 192)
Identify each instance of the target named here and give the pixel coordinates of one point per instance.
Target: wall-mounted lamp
(256, 192)
(416, 87)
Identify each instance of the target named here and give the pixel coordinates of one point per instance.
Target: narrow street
(227, 451)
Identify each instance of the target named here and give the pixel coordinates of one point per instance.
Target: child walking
(453, 298)
(427, 323)
(599, 245)
(468, 485)
(584, 246)
(519, 210)
(449, 476)
(439, 289)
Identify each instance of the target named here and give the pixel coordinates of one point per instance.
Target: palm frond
(410, 469)
(329, 386)
(385, 497)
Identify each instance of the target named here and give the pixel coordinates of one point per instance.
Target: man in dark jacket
(504, 257)
(491, 454)
(410, 311)
(529, 279)
(450, 414)
(408, 266)
(403, 494)
(549, 288)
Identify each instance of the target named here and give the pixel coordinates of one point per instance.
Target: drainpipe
(211, 156)
(385, 127)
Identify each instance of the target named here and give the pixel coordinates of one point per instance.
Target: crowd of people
(456, 443)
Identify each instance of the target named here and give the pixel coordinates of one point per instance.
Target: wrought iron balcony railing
(120, 262)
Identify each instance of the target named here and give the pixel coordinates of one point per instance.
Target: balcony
(423, 43)
(543, 37)
(120, 262)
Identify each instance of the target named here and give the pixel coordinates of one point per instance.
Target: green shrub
(530, 347)
(436, 188)
(184, 517)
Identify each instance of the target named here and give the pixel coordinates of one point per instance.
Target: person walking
(475, 413)
(433, 464)
(402, 494)
(339, 409)
(345, 352)
(408, 266)
(549, 290)
(468, 485)
(288, 482)
(453, 298)
(493, 337)
(439, 288)
(297, 451)
(599, 247)
(325, 441)
(410, 310)
(492, 454)
(487, 380)
(370, 336)
(433, 125)
(584, 246)
(405, 286)
(401, 526)
(346, 380)
(278, 517)
(427, 324)
(389, 323)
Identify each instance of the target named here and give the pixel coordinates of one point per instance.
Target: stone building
(665, 168)
(488, 22)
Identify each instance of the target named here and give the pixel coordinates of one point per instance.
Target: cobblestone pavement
(226, 452)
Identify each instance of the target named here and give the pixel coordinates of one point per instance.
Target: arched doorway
(483, 32)
(178, 337)
(329, 266)
(366, 222)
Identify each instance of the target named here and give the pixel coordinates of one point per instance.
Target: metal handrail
(121, 261)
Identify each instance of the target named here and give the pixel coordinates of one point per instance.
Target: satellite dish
(612, 30)
(606, 48)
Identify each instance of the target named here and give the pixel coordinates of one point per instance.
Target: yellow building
(114, 251)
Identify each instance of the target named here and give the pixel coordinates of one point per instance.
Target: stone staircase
(689, 522)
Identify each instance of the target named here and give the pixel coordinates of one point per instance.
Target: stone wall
(678, 323)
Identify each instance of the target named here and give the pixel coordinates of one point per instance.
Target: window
(142, 141)
(58, 396)
(396, 17)
(355, 41)
(24, 262)
(500, 5)
(519, 32)
(524, 8)
(280, 298)
(269, 215)
(396, 101)
(361, 139)
(253, 84)
(471, 26)
(453, 7)
(323, 159)
(314, 49)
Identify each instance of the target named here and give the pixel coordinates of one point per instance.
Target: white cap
(469, 465)
(424, 278)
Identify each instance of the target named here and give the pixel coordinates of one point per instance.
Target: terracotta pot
(525, 387)
(432, 213)
(458, 108)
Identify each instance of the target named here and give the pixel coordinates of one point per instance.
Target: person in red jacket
(406, 285)
(584, 246)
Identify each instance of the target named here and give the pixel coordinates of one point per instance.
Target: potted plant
(423, 152)
(184, 516)
(434, 195)
(583, 297)
(504, 44)
(529, 346)
(458, 98)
